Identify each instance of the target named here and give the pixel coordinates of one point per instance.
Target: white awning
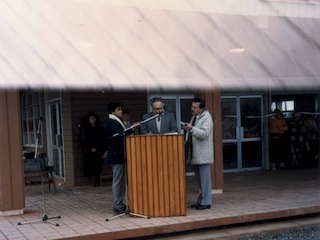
(137, 45)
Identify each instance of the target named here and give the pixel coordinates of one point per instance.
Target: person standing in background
(91, 144)
(298, 143)
(312, 138)
(200, 138)
(164, 123)
(278, 128)
(126, 118)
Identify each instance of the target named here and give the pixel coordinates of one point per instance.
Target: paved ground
(247, 197)
(302, 228)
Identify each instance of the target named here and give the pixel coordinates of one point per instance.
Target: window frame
(31, 112)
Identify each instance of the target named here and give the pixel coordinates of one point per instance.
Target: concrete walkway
(248, 231)
(247, 197)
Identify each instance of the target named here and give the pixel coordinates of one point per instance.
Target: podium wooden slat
(171, 189)
(156, 175)
(149, 179)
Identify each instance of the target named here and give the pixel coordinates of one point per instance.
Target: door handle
(237, 132)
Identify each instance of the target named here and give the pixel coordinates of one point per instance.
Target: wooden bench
(33, 168)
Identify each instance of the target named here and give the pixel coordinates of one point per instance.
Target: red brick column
(218, 156)
(12, 198)
(213, 105)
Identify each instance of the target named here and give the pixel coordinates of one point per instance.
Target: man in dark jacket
(116, 154)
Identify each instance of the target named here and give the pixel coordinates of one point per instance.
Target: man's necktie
(158, 122)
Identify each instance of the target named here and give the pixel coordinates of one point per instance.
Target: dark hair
(89, 114)
(85, 120)
(201, 102)
(156, 99)
(112, 106)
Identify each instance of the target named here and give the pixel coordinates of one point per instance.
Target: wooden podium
(156, 175)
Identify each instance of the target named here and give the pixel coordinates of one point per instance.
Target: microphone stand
(41, 163)
(135, 125)
(127, 212)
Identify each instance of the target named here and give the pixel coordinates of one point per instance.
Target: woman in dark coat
(92, 147)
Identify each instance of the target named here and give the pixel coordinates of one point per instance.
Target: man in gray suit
(165, 123)
(200, 130)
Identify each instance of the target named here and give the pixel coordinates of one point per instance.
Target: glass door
(230, 132)
(241, 130)
(251, 132)
(55, 147)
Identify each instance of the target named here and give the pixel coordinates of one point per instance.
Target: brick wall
(75, 105)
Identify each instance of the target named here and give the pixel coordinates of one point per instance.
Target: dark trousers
(279, 152)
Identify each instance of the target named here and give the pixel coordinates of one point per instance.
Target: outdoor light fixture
(237, 50)
(86, 44)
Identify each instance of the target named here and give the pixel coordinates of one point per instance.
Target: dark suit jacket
(168, 124)
(115, 144)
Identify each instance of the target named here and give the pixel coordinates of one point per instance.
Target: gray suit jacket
(168, 124)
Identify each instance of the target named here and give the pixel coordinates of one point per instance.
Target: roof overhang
(155, 44)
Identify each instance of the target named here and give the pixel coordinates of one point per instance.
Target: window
(31, 111)
(179, 105)
(286, 107)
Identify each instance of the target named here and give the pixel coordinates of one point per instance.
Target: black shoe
(195, 205)
(123, 208)
(202, 207)
(119, 211)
